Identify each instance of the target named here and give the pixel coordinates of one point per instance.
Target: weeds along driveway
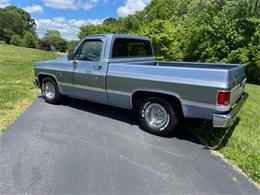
(81, 147)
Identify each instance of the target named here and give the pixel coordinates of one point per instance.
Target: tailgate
(237, 92)
(237, 80)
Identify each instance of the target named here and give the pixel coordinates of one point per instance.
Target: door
(89, 71)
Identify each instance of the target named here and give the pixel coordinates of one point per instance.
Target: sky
(68, 15)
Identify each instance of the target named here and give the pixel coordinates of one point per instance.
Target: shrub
(16, 40)
(29, 40)
(54, 38)
(253, 73)
(44, 45)
(2, 42)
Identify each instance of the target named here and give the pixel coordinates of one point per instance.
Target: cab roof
(119, 36)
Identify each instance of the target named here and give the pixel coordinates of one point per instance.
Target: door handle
(75, 64)
(97, 67)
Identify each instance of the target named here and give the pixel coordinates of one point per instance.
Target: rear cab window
(129, 48)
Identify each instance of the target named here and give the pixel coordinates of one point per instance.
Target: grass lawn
(16, 75)
(241, 142)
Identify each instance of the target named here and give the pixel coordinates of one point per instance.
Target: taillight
(223, 98)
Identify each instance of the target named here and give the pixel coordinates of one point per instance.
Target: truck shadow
(124, 115)
(214, 138)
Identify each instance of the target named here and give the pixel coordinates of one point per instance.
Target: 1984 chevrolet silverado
(120, 70)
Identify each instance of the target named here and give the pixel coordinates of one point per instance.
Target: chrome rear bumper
(227, 119)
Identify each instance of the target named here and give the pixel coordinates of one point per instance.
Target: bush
(54, 38)
(253, 73)
(29, 40)
(16, 40)
(2, 42)
(44, 45)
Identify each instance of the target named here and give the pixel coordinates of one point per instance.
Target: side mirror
(73, 46)
(70, 56)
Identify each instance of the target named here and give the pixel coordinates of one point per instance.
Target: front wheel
(50, 91)
(158, 116)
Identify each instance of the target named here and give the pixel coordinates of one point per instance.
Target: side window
(125, 48)
(91, 51)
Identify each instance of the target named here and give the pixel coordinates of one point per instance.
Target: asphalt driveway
(86, 148)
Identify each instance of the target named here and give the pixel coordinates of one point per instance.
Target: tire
(157, 116)
(50, 91)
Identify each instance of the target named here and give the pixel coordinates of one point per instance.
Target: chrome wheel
(49, 90)
(156, 115)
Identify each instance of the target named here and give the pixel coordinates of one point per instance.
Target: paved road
(85, 148)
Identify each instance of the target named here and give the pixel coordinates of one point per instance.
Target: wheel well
(42, 76)
(140, 96)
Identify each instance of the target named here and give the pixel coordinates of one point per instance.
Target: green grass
(16, 75)
(241, 142)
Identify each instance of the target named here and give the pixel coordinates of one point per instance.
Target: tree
(110, 21)
(28, 22)
(54, 38)
(129, 24)
(167, 9)
(90, 29)
(10, 24)
(163, 35)
(15, 21)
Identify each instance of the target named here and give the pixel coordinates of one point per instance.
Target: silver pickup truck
(120, 70)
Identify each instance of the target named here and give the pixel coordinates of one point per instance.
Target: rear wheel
(158, 116)
(50, 91)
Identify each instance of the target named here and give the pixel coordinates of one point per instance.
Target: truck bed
(191, 81)
(191, 65)
(235, 73)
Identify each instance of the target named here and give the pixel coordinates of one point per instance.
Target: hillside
(16, 75)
